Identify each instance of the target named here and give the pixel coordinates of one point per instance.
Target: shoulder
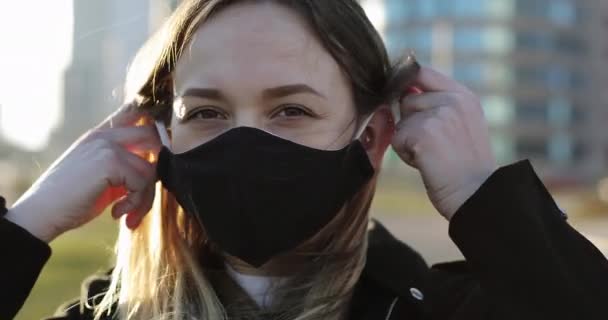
(390, 262)
(399, 274)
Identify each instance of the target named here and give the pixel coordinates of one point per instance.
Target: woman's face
(258, 65)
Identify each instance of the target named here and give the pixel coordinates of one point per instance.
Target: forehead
(263, 44)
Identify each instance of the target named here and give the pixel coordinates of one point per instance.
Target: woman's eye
(206, 114)
(293, 111)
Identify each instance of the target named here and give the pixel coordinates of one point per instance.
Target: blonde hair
(162, 271)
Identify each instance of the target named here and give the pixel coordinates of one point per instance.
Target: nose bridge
(248, 117)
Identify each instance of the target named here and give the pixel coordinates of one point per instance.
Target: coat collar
(388, 288)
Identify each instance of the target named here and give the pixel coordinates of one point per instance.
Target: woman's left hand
(443, 134)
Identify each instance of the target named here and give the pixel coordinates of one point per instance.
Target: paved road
(428, 234)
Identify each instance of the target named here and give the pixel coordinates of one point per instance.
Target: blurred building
(107, 34)
(16, 169)
(602, 64)
(539, 66)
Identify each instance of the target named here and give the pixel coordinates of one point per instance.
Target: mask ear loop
(396, 104)
(363, 126)
(162, 133)
(396, 111)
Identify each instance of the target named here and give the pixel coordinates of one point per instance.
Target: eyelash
(194, 113)
(283, 108)
(303, 110)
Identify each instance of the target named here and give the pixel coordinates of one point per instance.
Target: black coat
(523, 261)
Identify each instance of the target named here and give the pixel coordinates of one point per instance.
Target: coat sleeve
(23, 257)
(524, 261)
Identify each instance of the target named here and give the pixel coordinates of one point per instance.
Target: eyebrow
(213, 94)
(276, 92)
(287, 90)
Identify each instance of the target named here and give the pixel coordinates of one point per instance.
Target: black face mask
(258, 195)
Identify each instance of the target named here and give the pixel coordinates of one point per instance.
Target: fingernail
(132, 220)
(413, 90)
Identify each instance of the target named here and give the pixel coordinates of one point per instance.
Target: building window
(579, 151)
(553, 77)
(503, 147)
(557, 77)
(570, 44)
(468, 8)
(471, 74)
(534, 40)
(501, 9)
(560, 148)
(533, 8)
(531, 113)
(531, 147)
(468, 39)
(562, 12)
(425, 8)
(499, 40)
(498, 110)
(494, 39)
(489, 74)
(559, 112)
(499, 74)
(549, 41)
(397, 10)
(419, 40)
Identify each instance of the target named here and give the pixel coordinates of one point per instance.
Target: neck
(277, 267)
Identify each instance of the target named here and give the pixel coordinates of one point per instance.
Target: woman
(279, 118)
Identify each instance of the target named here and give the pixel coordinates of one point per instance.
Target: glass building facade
(522, 57)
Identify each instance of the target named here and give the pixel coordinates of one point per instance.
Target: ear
(378, 135)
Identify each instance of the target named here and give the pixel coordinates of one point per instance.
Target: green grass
(76, 255)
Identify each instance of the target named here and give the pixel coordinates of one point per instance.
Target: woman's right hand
(97, 170)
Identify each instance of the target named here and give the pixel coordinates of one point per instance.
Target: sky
(375, 12)
(35, 45)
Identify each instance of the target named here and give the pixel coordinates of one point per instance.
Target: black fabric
(258, 195)
(523, 262)
(3, 209)
(554, 272)
(22, 257)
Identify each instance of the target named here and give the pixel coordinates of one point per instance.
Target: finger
(400, 147)
(425, 101)
(406, 155)
(135, 217)
(147, 201)
(120, 207)
(143, 166)
(133, 221)
(429, 80)
(109, 196)
(126, 176)
(135, 175)
(135, 203)
(407, 140)
(127, 114)
(128, 203)
(142, 138)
